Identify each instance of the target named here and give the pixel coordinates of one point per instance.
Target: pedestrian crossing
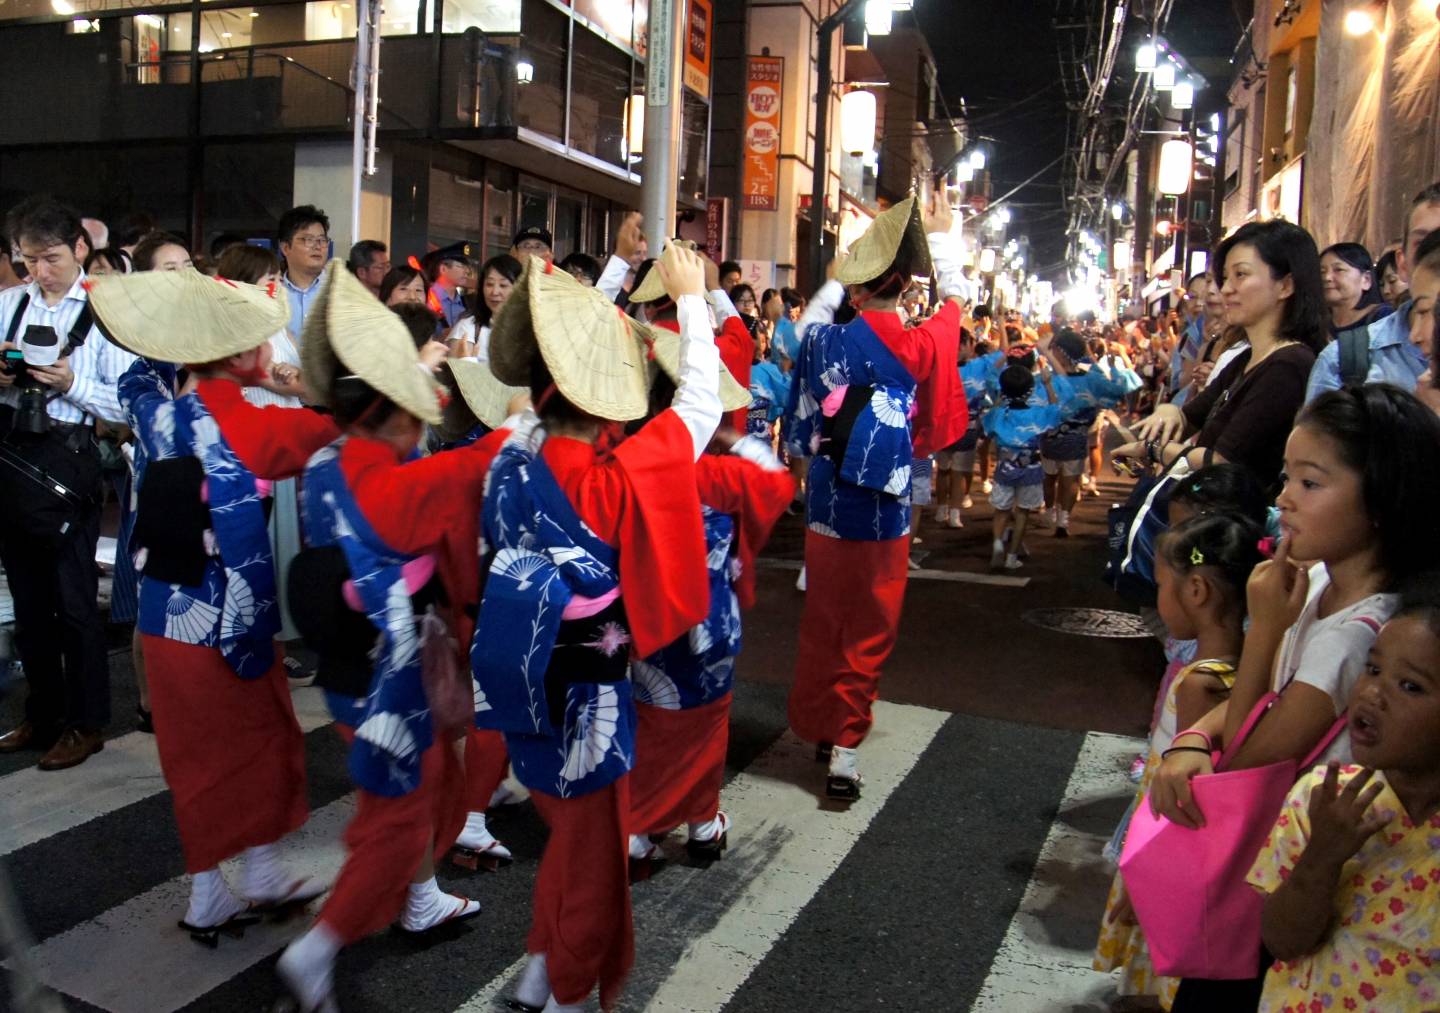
(728, 937)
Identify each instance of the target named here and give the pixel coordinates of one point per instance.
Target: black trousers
(58, 632)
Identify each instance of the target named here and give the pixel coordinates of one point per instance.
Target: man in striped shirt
(53, 580)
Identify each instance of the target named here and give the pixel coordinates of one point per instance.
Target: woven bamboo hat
(184, 316)
(900, 229)
(651, 287)
(351, 327)
(593, 351)
(665, 348)
(476, 396)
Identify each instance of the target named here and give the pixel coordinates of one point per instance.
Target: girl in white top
(1362, 477)
(470, 337)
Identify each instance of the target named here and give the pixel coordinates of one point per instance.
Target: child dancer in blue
(1018, 427)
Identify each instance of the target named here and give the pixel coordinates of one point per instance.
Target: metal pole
(361, 82)
(664, 102)
(820, 159)
(372, 116)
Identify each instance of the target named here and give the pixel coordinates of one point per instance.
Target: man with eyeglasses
(304, 240)
(370, 262)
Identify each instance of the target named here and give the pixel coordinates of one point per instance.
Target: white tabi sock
(556, 1007)
(265, 877)
(477, 837)
(534, 987)
(640, 847)
(427, 906)
(308, 965)
(211, 902)
(711, 829)
(844, 763)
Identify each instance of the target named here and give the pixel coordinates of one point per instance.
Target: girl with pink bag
(1362, 477)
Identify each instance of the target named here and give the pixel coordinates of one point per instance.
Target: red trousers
(847, 630)
(230, 748)
(387, 838)
(679, 765)
(485, 762)
(581, 915)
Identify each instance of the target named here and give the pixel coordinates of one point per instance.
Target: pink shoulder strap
(1261, 706)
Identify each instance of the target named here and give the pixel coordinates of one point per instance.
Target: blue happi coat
(699, 668)
(233, 608)
(975, 379)
(867, 497)
(1085, 395)
(392, 722)
(1017, 433)
(542, 556)
(769, 392)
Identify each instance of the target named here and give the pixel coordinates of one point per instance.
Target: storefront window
(569, 222)
(500, 185)
(615, 18)
(500, 17)
(534, 203)
(601, 84)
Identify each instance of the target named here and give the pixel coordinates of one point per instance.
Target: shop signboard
(716, 221)
(761, 183)
(698, 42)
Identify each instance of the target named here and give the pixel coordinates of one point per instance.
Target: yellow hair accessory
(1197, 558)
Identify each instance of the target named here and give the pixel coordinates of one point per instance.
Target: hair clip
(1197, 558)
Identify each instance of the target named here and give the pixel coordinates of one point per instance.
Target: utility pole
(664, 101)
(820, 157)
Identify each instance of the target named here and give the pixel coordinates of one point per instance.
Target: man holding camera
(59, 376)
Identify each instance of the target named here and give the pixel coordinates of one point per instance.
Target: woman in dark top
(1351, 292)
(1270, 275)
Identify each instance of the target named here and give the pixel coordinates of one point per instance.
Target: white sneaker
(967, 503)
(956, 520)
(986, 486)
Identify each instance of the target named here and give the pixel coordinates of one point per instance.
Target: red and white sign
(761, 176)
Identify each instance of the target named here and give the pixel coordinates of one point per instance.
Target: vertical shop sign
(716, 220)
(761, 177)
(697, 48)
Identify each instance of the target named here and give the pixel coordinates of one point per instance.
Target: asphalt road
(967, 877)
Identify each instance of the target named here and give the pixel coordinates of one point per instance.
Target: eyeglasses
(314, 242)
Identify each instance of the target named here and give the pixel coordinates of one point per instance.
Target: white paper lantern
(1175, 160)
(857, 121)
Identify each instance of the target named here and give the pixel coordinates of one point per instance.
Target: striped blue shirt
(97, 364)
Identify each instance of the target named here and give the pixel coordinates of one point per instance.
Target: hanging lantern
(1175, 161)
(857, 121)
(1122, 254)
(1164, 76)
(1182, 96)
(964, 172)
(635, 124)
(1145, 57)
(977, 159)
(987, 260)
(879, 16)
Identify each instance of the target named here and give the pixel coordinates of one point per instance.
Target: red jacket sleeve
(942, 414)
(643, 501)
(737, 351)
(274, 443)
(754, 497)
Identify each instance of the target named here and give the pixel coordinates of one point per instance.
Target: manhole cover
(1087, 622)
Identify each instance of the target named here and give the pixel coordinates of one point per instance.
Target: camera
(40, 347)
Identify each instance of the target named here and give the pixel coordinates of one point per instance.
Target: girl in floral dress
(1201, 566)
(1352, 864)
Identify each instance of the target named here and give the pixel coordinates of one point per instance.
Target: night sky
(1003, 60)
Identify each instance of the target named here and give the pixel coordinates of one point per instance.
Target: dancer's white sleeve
(697, 397)
(949, 280)
(822, 307)
(612, 279)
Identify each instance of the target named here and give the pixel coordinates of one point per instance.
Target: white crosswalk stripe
(35, 805)
(1034, 971)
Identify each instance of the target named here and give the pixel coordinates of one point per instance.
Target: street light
(878, 16)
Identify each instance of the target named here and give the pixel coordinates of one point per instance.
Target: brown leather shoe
(26, 736)
(73, 749)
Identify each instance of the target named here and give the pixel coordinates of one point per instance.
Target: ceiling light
(1359, 22)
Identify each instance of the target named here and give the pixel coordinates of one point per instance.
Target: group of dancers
(553, 585)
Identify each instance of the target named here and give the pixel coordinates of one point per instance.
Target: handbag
(1200, 918)
(1134, 529)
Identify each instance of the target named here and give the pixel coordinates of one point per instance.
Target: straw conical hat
(184, 316)
(872, 254)
(666, 350)
(476, 396)
(350, 326)
(593, 350)
(651, 287)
